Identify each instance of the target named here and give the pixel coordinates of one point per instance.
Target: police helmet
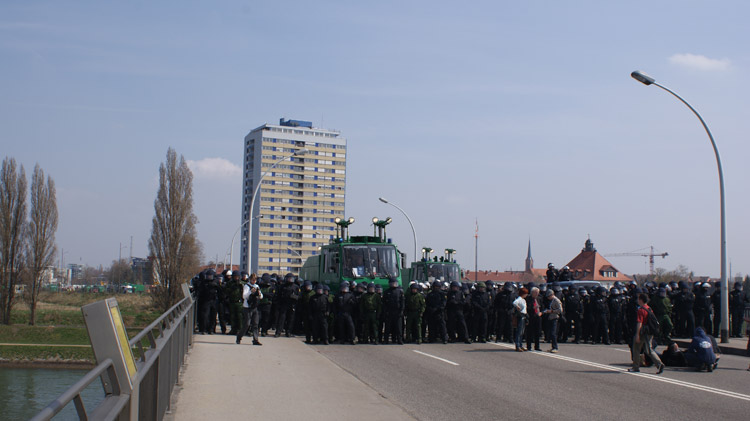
(326, 288)
(566, 267)
(557, 288)
(550, 266)
(319, 287)
(371, 285)
(392, 280)
(481, 285)
(662, 292)
(455, 284)
(436, 284)
(307, 284)
(582, 292)
(379, 288)
(507, 286)
(344, 287)
(738, 285)
(490, 284)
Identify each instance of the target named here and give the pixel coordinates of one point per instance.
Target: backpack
(652, 323)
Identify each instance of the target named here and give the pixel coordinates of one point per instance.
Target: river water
(26, 391)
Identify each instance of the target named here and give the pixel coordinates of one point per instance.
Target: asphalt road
(492, 381)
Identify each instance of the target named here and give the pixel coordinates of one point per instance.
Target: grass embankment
(60, 335)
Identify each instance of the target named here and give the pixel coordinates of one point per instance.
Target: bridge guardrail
(160, 349)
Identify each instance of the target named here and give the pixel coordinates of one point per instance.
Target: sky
(520, 118)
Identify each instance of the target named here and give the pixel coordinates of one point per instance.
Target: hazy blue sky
(521, 115)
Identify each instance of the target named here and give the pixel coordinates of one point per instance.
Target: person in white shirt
(520, 315)
(251, 296)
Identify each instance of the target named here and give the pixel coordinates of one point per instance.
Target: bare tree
(174, 243)
(12, 218)
(40, 236)
(119, 273)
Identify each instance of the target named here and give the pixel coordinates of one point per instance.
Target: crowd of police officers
(456, 312)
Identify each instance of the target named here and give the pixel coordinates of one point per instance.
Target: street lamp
(648, 80)
(231, 246)
(252, 202)
(295, 252)
(413, 231)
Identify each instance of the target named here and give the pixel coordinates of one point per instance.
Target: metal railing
(160, 350)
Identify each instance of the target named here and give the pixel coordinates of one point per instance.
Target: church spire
(529, 259)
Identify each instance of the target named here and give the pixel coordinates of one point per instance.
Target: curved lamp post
(413, 231)
(252, 204)
(648, 80)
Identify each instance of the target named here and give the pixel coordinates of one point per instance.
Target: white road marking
(642, 375)
(432, 356)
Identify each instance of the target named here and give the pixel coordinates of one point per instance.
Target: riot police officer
(233, 293)
(370, 306)
(737, 309)
(435, 309)
(615, 303)
(288, 297)
(343, 307)
(601, 317)
(480, 307)
(455, 314)
(702, 307)
(319, 308)
(415, 306)
(393, 312)
(503, 305)
(552, 273)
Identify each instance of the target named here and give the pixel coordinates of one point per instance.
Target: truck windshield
(370, 261)
(431, 272)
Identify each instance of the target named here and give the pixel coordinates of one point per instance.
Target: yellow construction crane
(643, 253)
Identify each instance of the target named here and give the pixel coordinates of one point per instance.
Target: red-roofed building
(589, 265)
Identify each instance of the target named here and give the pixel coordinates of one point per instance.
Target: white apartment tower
(302, 171)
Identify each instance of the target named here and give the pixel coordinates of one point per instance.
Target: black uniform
(344, 305)
(480, 308)
(736, 310)
(615, 318)
(435, 310)
(288, 297)
(503, 305)
(393, 314)
(573, 313)
(455, 312)
(702, 310)
(601, 319)
(319, 308)
(685, 304)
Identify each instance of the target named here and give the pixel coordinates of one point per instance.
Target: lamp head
(642, 77)
(382, 199)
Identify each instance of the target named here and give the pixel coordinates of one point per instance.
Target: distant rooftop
(295, 123)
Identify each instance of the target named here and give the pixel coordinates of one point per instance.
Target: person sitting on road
(700, 354)
(673, 356)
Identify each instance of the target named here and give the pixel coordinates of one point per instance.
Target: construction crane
(643, 253)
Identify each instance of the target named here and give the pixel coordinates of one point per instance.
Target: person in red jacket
(642, 338)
